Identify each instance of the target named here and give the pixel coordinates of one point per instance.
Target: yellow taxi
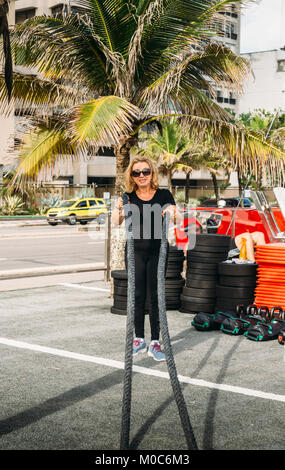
(78, 210)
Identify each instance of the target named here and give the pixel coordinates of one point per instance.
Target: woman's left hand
(171, 210)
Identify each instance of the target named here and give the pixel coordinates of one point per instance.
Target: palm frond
(34, 94)
(103, 120)
(41, 150)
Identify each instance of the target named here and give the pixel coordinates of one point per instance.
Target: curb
(44, 271)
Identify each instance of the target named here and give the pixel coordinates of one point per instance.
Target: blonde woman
(148, 203)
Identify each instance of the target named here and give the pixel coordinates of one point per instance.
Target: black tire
(232, 281)
(234, 292)
(197, 259)
(174, 282)
(119, 274)
(213, 239)
(209, 249)
(211, 266)
(120, 305)
(174, 249)
(120, 298)
(173, 275)
(203, 277)
(83, 222)
(208, 256)
(200, 272)
(71, 220)
(197, 300)
(53, 224)
(121, 283)
(196, 292)
(120, 291)
(233, 269)
(118, 311)
(192, 283)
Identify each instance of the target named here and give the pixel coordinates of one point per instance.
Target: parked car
(230, 202)
(78, 210)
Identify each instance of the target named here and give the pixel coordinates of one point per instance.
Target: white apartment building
(101, 169)
(266, 86)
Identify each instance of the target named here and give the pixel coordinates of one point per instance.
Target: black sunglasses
(137, 173)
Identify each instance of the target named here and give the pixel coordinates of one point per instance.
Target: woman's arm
(117, 214)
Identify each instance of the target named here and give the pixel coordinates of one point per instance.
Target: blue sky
(261, 26)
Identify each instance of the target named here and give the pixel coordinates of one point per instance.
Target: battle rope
(126, 409)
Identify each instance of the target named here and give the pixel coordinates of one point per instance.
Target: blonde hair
(130, 183)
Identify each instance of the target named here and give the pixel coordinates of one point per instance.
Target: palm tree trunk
(187, 186)
(216, 186)
(122, 154)
(169, 176)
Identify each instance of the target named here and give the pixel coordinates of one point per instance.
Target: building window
(58, 9)
(23, 15)
(281, 65)
(64, 9)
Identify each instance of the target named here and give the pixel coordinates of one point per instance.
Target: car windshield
(66, 203)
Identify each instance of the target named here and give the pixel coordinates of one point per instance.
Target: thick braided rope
(127, 387)
(182, 408)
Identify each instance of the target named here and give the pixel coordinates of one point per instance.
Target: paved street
(62, 354)
(23, 246)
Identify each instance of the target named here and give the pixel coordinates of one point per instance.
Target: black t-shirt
(147, 218)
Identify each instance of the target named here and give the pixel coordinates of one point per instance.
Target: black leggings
(146, 263)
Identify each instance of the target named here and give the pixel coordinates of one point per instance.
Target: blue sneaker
(155, 351)
(139, 346)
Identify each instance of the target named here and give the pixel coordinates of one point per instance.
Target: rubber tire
(203, 254)
(118, 311)
(196, 259)
(197, 264)
(53, 224)
(209, 249)
(203, 277)
(233, 269)
(192, 283)
(197, 300)
(235, 281)
(196, 292)
(200, 272)
(71, 220)
(120, 283)
(174, 282)
(234, 292)
(119, 274)
(122, 291)
(83, 222)
(213, 239)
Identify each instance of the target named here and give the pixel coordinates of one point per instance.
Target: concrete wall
(266, 88)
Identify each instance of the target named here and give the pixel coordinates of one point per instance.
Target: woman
(148, 203)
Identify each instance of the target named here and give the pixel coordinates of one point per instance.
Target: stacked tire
(236, 285)
(173, 284)
(199, 293)
(120, 298)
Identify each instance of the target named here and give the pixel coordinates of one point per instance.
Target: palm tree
(171, 148)
(4, 31)
(102, 76)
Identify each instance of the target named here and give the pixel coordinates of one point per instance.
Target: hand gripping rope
(126, 409)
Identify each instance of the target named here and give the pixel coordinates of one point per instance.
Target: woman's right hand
(119, 204)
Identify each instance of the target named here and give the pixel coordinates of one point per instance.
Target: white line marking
(79, 286)
(142, 370)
